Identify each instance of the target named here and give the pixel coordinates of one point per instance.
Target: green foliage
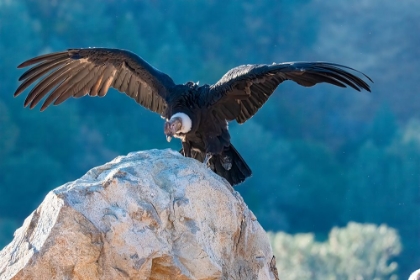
(383, 186)
(358, 251)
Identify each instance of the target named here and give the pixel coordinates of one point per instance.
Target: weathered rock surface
(415, 275)
(147, 215)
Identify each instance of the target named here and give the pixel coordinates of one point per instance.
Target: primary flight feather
(198, 115)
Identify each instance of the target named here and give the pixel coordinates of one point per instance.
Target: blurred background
(336, 172)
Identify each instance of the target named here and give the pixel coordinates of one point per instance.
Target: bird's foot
(207, 159)
(226, 162)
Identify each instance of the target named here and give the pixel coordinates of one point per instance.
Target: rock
(147, 215)
(415, 275)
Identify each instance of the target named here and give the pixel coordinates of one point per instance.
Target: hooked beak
(172, 127)
(168, 131)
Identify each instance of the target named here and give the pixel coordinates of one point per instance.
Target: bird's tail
(229, 165)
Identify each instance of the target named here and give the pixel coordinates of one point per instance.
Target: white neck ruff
(185, 120)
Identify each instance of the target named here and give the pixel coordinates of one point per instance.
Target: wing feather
(66, 89)
(50, 82)
(120, 78)
(34, 76)
(252, 85)
(95, 88)
(141, 97)
(107, 79)
(78, 72)
(42, 67)
(133, 87)
(124, 84)
(49, 56)
(61, 90)
(85, 85)
(107, 83)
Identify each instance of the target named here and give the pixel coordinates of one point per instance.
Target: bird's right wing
(243, 90)
(78, 72)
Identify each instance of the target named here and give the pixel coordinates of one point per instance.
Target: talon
(226, 162)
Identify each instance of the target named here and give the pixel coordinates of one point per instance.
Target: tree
(358, 251)
(383, 187)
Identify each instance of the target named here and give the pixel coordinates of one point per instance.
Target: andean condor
(198, 115)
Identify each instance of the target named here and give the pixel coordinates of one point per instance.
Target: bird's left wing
(242, 91)
(78, 72)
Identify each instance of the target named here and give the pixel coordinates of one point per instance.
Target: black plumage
(238, 95)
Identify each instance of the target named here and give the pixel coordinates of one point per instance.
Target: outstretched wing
(78, 72)
(242, 91)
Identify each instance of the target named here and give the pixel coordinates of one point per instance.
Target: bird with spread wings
(198, 115)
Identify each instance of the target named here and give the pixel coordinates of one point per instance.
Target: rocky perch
(147, 215)
(415, 275)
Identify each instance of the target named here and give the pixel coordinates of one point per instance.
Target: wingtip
(32, 105)
(25, 64)
(28, 62)
(16, 93)
(22, 77)
(44, 107)
(26, 102)
(365, 87)
(44, 57)
(19, 90)
(362, 88)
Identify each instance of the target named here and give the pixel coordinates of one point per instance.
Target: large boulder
(147, 215)
(415, 275)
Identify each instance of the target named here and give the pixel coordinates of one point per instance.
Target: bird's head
(179, 123)
(172, 127)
